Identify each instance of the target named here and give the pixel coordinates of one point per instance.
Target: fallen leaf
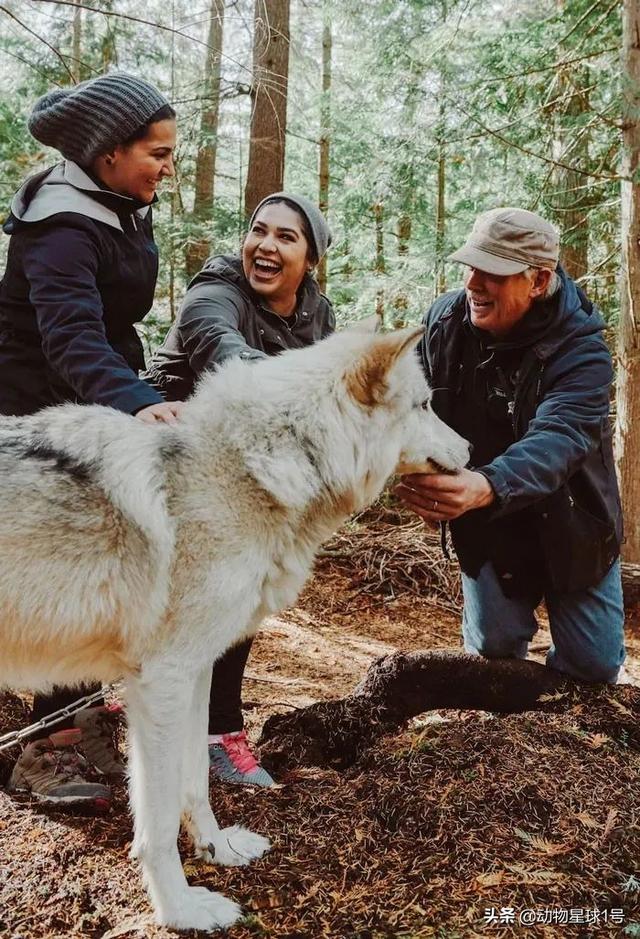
(544, 698)
(537, 877)
(621, 707)
(609, 824)
(587, 820)
(490, 879)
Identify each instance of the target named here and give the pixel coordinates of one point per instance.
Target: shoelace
(66, 764)
(239, 753)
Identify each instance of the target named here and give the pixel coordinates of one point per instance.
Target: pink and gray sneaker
(231, 760)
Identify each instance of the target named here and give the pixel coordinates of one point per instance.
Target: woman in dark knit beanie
(81, 270)
(251, 305)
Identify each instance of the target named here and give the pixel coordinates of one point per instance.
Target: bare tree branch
(41, 39)
(537, 156)
(143, 22)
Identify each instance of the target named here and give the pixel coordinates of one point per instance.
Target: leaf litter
(425, 830)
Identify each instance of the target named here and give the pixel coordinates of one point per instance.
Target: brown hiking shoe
(52, 771)
(99, 743)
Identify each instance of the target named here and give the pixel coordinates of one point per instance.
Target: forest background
(403, 118)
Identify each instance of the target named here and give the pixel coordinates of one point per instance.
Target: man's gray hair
(552, 287)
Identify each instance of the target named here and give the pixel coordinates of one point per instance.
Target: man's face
(497, 302)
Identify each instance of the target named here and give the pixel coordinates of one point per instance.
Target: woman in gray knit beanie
(251, 305)
(95, 123)
(81, 271)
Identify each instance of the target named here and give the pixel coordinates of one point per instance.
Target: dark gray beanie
(95, 116)
(317, 222)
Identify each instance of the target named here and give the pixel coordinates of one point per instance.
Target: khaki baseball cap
(508, 241)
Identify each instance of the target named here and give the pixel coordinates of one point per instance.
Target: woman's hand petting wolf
(441, 497)
(167, 412)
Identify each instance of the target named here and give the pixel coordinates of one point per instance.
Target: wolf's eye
(426, 404)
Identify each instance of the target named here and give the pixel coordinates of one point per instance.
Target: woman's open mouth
(266, 270)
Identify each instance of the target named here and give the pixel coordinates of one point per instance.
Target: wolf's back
(85, 538)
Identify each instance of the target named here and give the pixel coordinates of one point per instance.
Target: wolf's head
(387, 383)
(336, 418)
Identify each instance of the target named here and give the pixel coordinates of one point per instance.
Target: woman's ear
(108, 159)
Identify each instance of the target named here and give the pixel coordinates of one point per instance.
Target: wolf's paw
(199, 908)
(235, 846)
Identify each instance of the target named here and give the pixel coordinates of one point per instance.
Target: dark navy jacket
(557, 522)
(222, 317)
(81, 270)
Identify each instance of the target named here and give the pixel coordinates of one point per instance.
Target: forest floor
(462, 824)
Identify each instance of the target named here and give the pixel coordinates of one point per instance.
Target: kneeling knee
(495, 647)
(595, 669)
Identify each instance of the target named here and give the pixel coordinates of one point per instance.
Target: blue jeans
(587, 627)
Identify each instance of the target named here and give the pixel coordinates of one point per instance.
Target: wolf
(143, 552)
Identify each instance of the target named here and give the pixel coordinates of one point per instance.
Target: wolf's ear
(369, 325)
(288, 473)
(366, 380)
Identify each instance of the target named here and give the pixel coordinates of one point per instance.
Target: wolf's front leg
(233, 846)
(158, 702)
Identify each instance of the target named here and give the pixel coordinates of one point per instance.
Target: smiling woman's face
(275, 256)
(136, 169)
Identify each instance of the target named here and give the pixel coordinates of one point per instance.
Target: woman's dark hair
(312, 257)
(165, 113)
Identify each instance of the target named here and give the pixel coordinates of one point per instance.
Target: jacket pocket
(579, 547)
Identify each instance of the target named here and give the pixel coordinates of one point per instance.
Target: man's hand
(166, 412)
(440, 497)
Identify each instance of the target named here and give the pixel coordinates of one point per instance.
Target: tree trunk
(380, 265)
(406, 182)
(325, 139)
(198, 247)
(571, 146)
(265, 172)
(628, 382)
(440, 278)
(401, 303)
(76, 44)
(630, 584)
(109, 55)
(572, 196)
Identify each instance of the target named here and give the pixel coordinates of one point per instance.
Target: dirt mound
(334, 734)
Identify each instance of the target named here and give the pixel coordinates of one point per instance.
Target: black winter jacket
(557, 522)
(222, 317)
(81, 270)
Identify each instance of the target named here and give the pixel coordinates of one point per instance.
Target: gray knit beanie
(317, 222)
(95, 116)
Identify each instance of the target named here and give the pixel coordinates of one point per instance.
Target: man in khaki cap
(519, 366)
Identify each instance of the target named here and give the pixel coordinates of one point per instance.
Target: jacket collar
(227, 267)
(66, 187)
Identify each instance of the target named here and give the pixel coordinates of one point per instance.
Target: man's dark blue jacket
(557, 521)
(81, 270)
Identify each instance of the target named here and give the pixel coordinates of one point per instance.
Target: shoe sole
(100, 804)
